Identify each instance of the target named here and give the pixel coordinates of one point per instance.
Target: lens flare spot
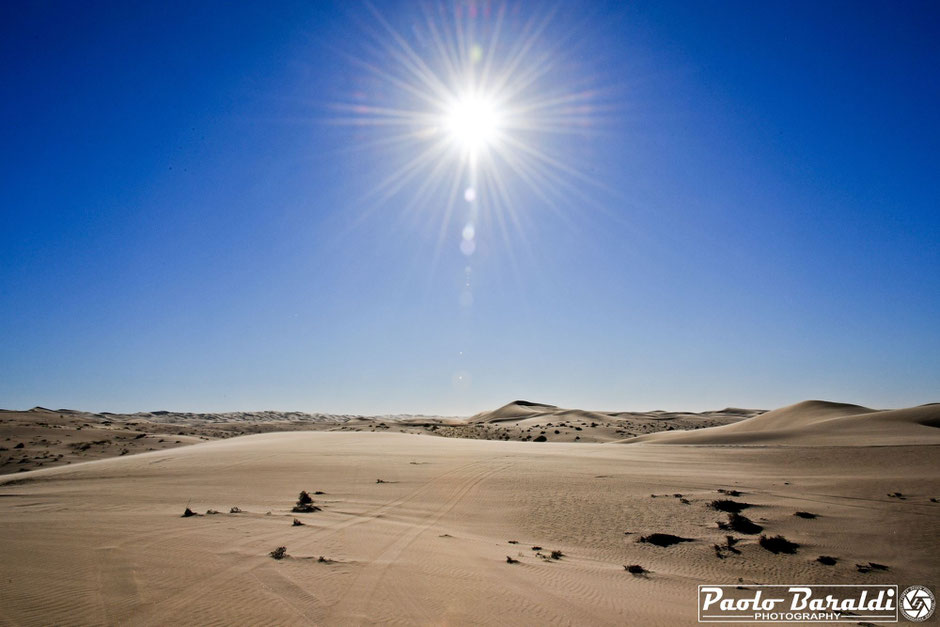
(469, 232)
(462, 380)
(470, 194)
(467, 247)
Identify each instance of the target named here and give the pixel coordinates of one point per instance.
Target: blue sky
(748, 214)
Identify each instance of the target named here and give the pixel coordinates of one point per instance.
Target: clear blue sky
(185, 224)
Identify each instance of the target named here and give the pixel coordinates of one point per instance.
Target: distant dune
(528, 420)
(43, 438)
(819, 423)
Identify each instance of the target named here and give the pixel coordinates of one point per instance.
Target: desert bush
(297, 523)
(741, 524)
(663, 539)
(557, 555)
(635, 569)
(870, 566)
(510, 560)
(778, 544)
(804, 515)
(828, 560)
(727, 505)
(305, 504)
(279, 553)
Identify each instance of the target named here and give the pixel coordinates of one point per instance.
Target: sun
(473, 122)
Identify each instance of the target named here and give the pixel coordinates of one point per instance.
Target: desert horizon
(28, 431)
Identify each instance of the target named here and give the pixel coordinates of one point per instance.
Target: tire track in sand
(355, 604)
(176, 604)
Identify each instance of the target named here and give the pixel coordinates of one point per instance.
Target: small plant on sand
(727, 505)
(729, 492)
(279, 553)
(662, 539)
(188, 512)
(541, 438)
(827, 560)
(297, 523)
(635, 569)
(305, 504)
(805, 515)
(721, 550)
(557, 555)
(870, 566)
(235, 510)
(741, 524)
(510, 560)
(778, 544)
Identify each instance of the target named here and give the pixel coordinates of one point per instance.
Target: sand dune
(42, 438)
(103, 542)
(527, 420)
(819, 423)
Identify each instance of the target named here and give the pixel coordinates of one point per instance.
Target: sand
(102, 542)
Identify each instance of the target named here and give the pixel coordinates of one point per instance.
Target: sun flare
(477, 113)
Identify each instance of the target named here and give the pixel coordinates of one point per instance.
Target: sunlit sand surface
(104, 541)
